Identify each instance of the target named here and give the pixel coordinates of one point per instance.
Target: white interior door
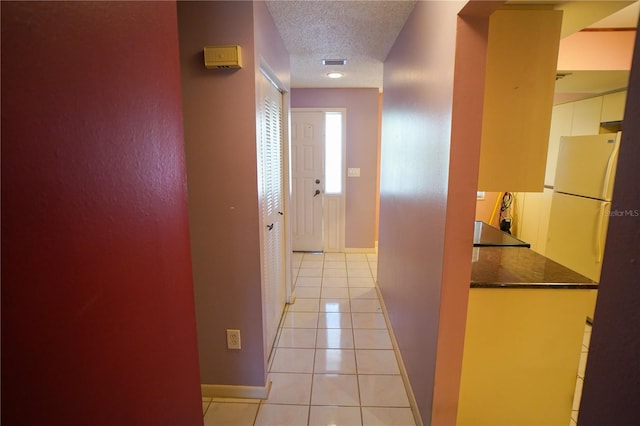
(307, 175)
(270, 187)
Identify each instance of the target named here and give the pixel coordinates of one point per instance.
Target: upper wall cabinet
(613, 107)
(586, 116)
(561, 120)
(522, 53)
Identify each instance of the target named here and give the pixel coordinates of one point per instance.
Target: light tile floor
(580, 380)
(333, 362)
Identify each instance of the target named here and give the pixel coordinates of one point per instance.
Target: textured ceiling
(362, 32)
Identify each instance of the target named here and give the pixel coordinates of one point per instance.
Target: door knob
(317, 180)
(316, 193)
(270, 227)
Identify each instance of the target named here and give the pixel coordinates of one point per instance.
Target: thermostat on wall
(222, 57)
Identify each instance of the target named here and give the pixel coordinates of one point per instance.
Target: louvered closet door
(272, 209)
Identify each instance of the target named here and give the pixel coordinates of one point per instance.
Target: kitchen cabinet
(521, 355)
(525, 325)
(522, 53)
(561, 121)
(613, 106)
(586, 117)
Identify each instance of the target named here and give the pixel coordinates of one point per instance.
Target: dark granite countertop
(518, 267)
(488, 236)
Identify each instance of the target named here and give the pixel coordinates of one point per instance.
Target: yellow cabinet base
(521, 355)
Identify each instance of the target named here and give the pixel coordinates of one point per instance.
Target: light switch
(353, 172)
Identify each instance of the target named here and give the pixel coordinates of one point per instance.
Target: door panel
(307, 138)
(270, 171)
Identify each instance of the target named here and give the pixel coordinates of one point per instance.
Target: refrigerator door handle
(607, 184)
(601, 231)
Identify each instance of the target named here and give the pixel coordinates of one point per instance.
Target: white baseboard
(403, 371)
(231, 391)
(368, 250)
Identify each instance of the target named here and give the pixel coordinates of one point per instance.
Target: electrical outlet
(233, 339)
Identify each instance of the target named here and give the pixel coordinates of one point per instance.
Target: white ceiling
(363, 32)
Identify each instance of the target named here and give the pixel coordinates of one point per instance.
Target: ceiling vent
(334, 61)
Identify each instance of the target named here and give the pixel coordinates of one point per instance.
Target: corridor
(333, 362)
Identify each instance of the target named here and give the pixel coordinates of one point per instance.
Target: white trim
(332, 213)
(342, 221)
(286, 195)
(413, 403)
(268, 72)
(368, 250)
(231, 391)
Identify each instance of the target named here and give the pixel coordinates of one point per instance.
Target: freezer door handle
(609, 176)
(601, 231)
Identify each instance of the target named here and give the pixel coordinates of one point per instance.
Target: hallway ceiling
(363, 32)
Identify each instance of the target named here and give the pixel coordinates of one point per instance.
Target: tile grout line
(353, 336)
(315, 347)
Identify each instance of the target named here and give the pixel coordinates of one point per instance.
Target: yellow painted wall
(485, 206)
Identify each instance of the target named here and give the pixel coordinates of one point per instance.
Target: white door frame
(286, 175)
(334, 205)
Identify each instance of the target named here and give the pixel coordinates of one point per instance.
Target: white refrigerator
(581, 202)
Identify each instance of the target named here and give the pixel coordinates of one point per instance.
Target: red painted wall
(98, 322)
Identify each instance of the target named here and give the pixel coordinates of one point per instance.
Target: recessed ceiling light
(335, 75)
